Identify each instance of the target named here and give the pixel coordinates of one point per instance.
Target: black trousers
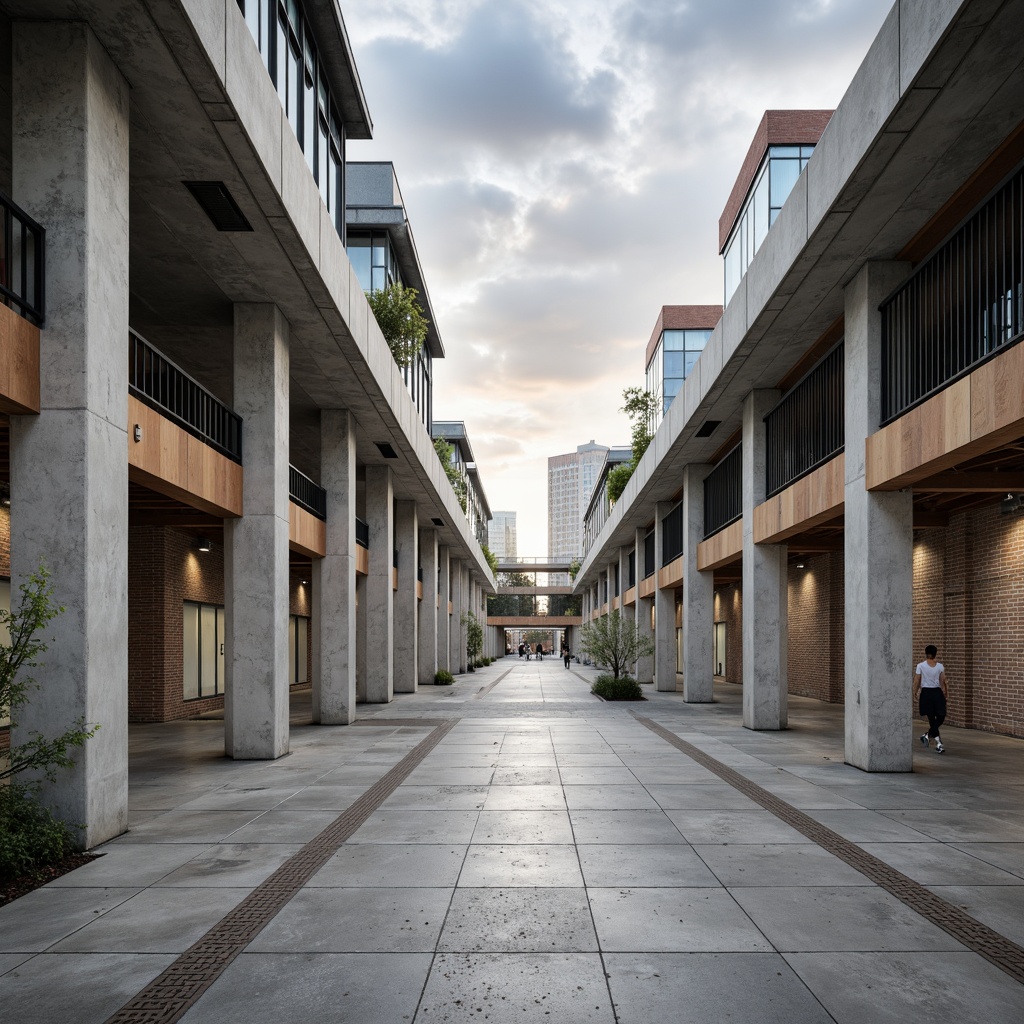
(932, 705)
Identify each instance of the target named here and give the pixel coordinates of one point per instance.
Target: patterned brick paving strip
(985, 941)
(167, 998)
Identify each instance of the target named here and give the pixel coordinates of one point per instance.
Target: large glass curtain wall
(290, 56)
(202, 650)
(373, 259)
(772, 184)
(676, 355)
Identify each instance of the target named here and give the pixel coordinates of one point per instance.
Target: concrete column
(69, 464)
(642, 612)
(406, 610)
(466, 606)
(380, 597)
(361, 639)
(698, 595)
(765, 597)
(457, 650)
(879, 541)
(426, 657)
(444, 626)
(334, 576)
(256, 546)
(664, 613)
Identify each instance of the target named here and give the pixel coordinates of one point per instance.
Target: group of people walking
(529, 651)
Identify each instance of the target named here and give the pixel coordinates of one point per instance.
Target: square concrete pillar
(878, 540)
(334, 576)
(406, 604)
(642, 613)
(457, 649)
(444, 626)
(380, 597)
(69, 464)
(426, 657)
(664, 613)
(256, 578)
(765, 586)
(360, 639)
(698, 595)
(466, 606)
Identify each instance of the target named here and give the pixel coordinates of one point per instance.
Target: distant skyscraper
(571, 480)
(501, 535)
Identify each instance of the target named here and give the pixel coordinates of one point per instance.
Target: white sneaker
(939, 747)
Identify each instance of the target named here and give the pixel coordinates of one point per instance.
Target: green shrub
(442, 677)
(30, 837)
(623, 688)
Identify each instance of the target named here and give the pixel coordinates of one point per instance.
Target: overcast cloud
(564, 165)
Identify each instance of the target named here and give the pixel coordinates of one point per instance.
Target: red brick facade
(166, 569)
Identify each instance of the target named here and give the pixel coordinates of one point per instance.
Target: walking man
(566, 654)
(930, 693)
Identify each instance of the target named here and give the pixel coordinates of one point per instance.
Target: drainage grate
(985, 941)
(167, 997)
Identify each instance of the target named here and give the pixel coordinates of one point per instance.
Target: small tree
(492, 559)
(614, 641)
(23, 624)
(400, 319)
(445, 451)
(574, 568)
(474, 636)
(640, 406)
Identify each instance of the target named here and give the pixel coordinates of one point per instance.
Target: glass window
(759, 208)
(202, 650)
(190, 652)
(696, 340)
(674, 341)
(783, 177)
(673, 365)
(691, 361)
(294, 85)
(783, 151)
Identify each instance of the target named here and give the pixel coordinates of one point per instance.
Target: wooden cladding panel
(723, 548)
(811, 501)
(974, 415)
(535, 621)
(170, 461)
(629, 597)
(615, 604)
(306, 534)
(671, 575)
(362, 561)
(648, 586)
(419, 591)
(19, 364)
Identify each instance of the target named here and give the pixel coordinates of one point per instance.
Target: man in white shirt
(930, 693)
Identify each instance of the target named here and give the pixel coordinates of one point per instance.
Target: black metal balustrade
(649, 555)
(632, 570)
(533, 605)
(22, 262)
(807, 427)
(362, 533)
(155, 380)
(963, 305)
(723, 493)
(672, 535)
(306, 494)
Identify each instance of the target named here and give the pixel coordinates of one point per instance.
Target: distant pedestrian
(566, 655)
(540, 652)
(521, 646)
(930, 693)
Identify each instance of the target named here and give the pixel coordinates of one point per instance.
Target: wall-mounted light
(137, 433)
(1011, 503)
(799, 565)
(203, 543)
(303, 582)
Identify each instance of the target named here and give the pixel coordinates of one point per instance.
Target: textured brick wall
(816, 624)
(5, 542)
(729, 609)
(969, 602)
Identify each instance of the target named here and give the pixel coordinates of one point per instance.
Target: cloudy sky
(564, 164)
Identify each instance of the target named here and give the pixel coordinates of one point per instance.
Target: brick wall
(5, 542)
(969, 602)
(816, 624)
(729, 609)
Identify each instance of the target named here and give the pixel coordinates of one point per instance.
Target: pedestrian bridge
(527, 602)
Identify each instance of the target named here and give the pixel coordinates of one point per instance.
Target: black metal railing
(672, 535)
(362, 533)
(649, 565)
(155, 380)
(723, 493)
(617, 590)
(306, 494)
(22, 262)
(632, 569)
(806, 428)
(533, 605)
(394, 558)
(963, 305)
(419, 573)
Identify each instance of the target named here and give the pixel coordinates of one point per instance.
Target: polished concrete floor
(550, 859)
